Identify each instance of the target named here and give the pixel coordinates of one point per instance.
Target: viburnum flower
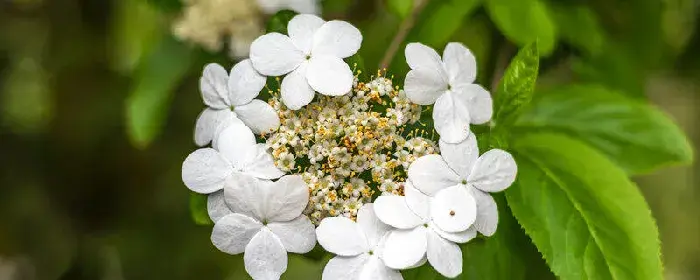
(230, 96)
(449, 84)
(427, 227)
(460, 165)
(206, 170)
(358, 246)
(312, 54)
(266, 223)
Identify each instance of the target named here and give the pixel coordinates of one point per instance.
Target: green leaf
(517, 85)
(582, 212)
(402, 8)
(166, 5)
(278, 22)
(633, 134)
(155, 80)
(198, 209)
(441, 19)
(524, 21)
(579, 26)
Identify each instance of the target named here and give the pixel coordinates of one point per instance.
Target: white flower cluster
(366, 180)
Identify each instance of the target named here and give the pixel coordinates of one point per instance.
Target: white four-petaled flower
(312, 54)
(460, 165)
(427, 228)
(206, 170)
(266, 223)
(228, 96)
(358, 246)
(449, 83)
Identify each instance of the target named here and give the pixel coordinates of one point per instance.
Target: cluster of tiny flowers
(349, 147)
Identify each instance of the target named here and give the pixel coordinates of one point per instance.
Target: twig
(404, 29)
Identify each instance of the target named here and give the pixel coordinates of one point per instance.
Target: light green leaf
(278, 22)
(198, 209)
(517, 85)
(441, 19)
(155, 80)
(633, 134)
(134, 24)
(582, 212)
(524, 21)
(579, 26)
(402, 8)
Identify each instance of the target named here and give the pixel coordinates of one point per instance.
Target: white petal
(234, 142)
(457, 237)
(372, 227)
(246, 195)
(451, 118)
(419, 56)
(461, 156)
(417, 201)
(302, 29)
(374, 268)
(286, 198)
(329, 75)
(444, 256)
(486, 212)
(337, 38)
(494, 171)
(405, 248)
(261, 164)
(216, 206)
(233, 232)
(341, 236)
(265, 257)
(214, 86)
(296, 91)
(297, 236)
(478, 101)
(453, 209)
(393, 210)
(245, 83)
(259, 116)
(424, 86)
(430, 173)
(344, 268)
(205, 171)
(208, 123)
(274, 54)
(460, 64)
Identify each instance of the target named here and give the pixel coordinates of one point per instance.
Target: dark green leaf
(278, 22)
(402, 8)
(582, 212)
(166, 5)
(155, 80)
(441, 19)
(578, 25)
(633, 134)
(524, 21)
(517, 85)
(198, 209)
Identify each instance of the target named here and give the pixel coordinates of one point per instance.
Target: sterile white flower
(358, 247)
(312, 54)
(300, 6)
(230, 96)
(427, 228)
(234, 151)
(449, 84)
(266, 223)
(460, 165)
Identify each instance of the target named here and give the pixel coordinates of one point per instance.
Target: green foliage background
(597, 100)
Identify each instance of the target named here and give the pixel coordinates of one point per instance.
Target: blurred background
(98, 100)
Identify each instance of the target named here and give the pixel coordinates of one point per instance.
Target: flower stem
(404, 29)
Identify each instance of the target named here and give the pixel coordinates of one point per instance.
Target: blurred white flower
(266, 223)
(312, 56)
(228, 96)
(358, 246)
(448, 83)
(427, 228)
(234, 151)
(461, 166)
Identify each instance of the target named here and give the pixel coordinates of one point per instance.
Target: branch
(404, 29)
